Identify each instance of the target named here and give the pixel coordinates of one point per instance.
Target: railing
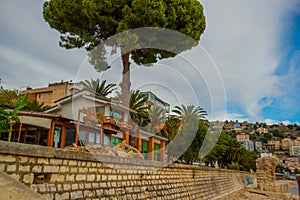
(105, 120)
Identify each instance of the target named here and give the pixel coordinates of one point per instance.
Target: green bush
(234, 166)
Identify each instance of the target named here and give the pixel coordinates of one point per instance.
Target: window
(57, 133)
(98, 139)
(106, 141)
(91, 138)
(115, 141)
(145, 147)
(99, 109)
(70, 136)
(156, 152)
(81, 138)
(117, 115)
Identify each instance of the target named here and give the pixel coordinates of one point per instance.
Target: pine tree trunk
(126, 80)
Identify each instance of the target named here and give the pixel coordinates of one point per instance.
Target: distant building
(242, 137)
(262, 130)
(294, 150)
(286, 143)
(258, 146)
(265, 154)
(249, 145)
(48, 95)
(276, 143)
(153, 100)
(237, 127)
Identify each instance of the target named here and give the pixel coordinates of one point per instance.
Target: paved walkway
(15, 190)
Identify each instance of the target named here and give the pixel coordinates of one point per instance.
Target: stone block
(65, 162)
(67, 187)
(24, 168)
(28, 178)
(7, 158)
(90, 177)
(88, 164)
(51, 169)
(80, 177)
(42, 188)
(72, 163)
(34, 188)
(104, 177)
(83, 170)
(75, 186)
(98, 177)
(112, 177)
(63, 169)
(76, 195)
(73, 169)
(62, 196)
(51, 187)
(91, 170)
(55, 161)
(88, 193)
(11, 168)
(59, 187)
(81, 186)
(87, 185)
(57, 178)
(23, 159)
(42, 161)
(99, 193)
(70, 177)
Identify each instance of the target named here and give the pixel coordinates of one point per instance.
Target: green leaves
(189, 112)
(138, 105)
(21, 104)
(9, 118)
(86, 23)
(228, 152)
(99, 87)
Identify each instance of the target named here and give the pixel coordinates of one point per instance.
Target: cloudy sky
(246, 66)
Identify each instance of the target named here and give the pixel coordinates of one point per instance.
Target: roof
(87, 94)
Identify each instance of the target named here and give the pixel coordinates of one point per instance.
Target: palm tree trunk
(10, 131)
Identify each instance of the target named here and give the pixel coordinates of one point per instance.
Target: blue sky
(245, 68)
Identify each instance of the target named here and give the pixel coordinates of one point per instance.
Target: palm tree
(9, 118)
(157, 119)
(36, 106)
(137, 104)
(189, 117)
(186, 112)
(139, 110)
(170, 128)
(99, 87)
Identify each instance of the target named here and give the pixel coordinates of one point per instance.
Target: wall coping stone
(20, 149)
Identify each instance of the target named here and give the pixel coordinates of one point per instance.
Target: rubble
(123, 150)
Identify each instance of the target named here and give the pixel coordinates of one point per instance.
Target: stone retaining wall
(61, 174)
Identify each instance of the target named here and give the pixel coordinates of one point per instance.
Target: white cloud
(29, 48)
(244, 39)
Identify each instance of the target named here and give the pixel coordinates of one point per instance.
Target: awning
(36, 121)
